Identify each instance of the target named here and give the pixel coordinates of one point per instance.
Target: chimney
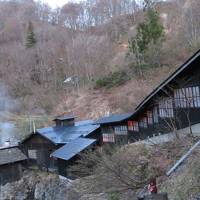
(64, 121)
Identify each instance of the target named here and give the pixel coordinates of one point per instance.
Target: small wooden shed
(12, 161)
(41, 144)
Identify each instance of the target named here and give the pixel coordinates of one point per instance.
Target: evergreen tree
(30, 37)
(149, 32)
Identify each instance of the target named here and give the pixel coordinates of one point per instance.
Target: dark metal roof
(64, 134)
(7, 147)
(65, 117)
(113, 118)
(11, 155)
(84, 122)
(168, 80)
(73, 148)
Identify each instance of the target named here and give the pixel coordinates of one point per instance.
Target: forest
(82, 52)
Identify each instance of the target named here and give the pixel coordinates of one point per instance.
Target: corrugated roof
(113, 118)
(64, 134)
(65, 117)
(11, 155)
(73, 148)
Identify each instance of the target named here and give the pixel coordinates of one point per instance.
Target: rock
(100, 196)
(195, 197)
(38, 186)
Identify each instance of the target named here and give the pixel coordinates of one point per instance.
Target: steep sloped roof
(113, 118)
(11, 155)
(73, 148)
(170, 78)
(84, 122)
(64, 134)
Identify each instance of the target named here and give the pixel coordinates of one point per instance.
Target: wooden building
(41, 144)
(114, 128)
(69, 153)
(172, 105)
(12, 162)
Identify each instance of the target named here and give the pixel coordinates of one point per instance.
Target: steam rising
(8, 131)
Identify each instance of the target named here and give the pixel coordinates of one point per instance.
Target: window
(130, 125)
(143, 122)
(166, 108)
(107, 129)
(150, 117)
(155, 114)
(136, 126)
(187, 97)
(133, 126)
(109, 138)
(32, 154)
(120, 130)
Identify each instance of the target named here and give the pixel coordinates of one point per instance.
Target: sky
(60, 3)
(57, 3)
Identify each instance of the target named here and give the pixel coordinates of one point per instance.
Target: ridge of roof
(64, 134)
(168, 80)
(64, 117)
(113, 118)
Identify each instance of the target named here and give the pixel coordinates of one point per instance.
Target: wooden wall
(43, 148)
(183, 117)
(10, 172)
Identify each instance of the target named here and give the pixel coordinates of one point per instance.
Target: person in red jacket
(152, 188)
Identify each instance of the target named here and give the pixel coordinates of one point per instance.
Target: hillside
(68, 45)
(91, 59)
(184, 184)
(113, 177)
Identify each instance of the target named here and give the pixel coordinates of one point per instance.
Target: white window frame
(110, 138)
(120, 130)
(32, 154)
(133, 126)
(143, 122)
(150, 117)
(166, 108)
(155, 115)
(187, 97)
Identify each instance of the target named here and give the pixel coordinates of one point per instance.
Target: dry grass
(129, 168)
(184, 184)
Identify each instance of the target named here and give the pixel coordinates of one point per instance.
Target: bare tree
(117, 169)
(191, 26)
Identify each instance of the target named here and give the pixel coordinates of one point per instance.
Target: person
(152, 188)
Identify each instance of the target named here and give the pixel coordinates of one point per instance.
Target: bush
(113, 79)
(113, 196)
